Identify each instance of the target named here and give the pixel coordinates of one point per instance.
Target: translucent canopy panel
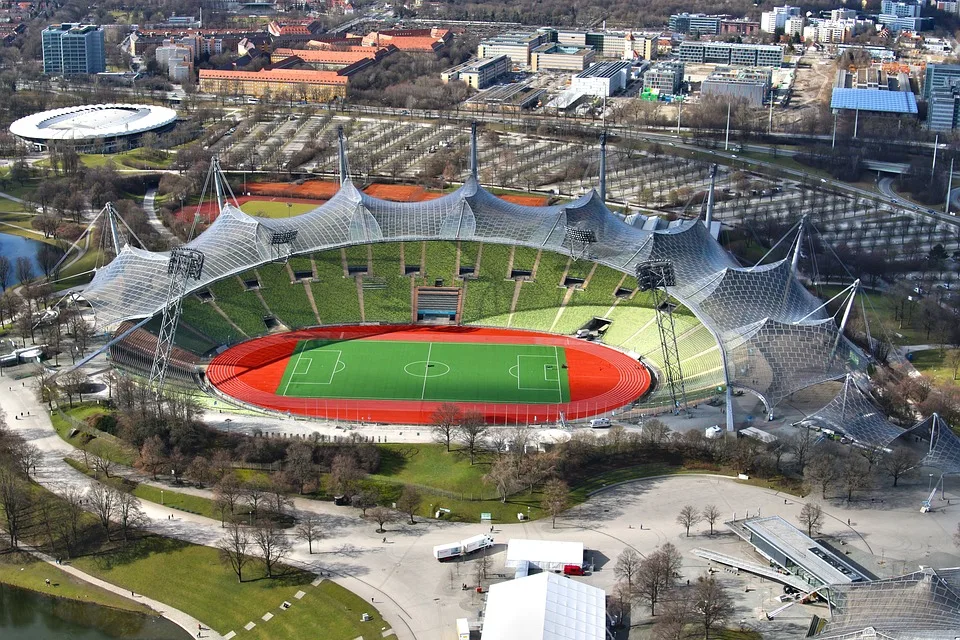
(773, 336)
(853, 414)
(923, 605)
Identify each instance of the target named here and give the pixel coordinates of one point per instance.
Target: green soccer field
(433, 371)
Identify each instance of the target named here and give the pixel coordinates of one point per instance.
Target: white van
(600, 423)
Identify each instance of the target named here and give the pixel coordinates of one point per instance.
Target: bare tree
(273, 544)
(199, 471)
(811, 517)
(299, 465)
(471, 432)
(15, 504)
(410, 501)
(130, 515)
(445, 420)
(854, 474)
(481, 569)
(899, 463)
(5, 268)
(226, 495)
(714, 604)
(382, 516)
(153, 457)
(103, 501)
(688, 517)
(25, 456)
(309, 531)
(657, 575)
(102, 465)
(628, 565)
(655, 432)
(255, 493)
(711, 514)
(799, 445)
(234, 549)
(345, 473)
(23, 269)
(675, 614)
(556, 498)
(502, 475)
(365, 499)
(821, 473)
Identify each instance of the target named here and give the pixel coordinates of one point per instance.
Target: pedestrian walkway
(181, 619)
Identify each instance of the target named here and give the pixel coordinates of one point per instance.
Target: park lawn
(176, 500)
(430, 465)
(936, 364)
(275, 209)
(328, 611)
(102, 444)
(27, 572)
(192, 578)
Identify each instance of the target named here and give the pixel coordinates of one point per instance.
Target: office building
(943, 108)
(938, 76)
(695, 23)
(777, 18)
(602, 79)
(314, 86)
(665, 77)
(900, 9)
(516, 46)
(729, 53)
(739, 27)
(72, 49)
(553, 56)
(908, 23)
(753, 85)
(611, 44)
(479, 73)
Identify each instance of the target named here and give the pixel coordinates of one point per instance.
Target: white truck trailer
(462, 548)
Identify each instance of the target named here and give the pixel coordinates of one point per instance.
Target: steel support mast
(185, 264)
(656, 276)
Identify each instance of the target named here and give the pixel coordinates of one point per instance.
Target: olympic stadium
(432, 282)
(97, 128)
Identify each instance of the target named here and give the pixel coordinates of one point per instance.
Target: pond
(27, 615)
(13, 247)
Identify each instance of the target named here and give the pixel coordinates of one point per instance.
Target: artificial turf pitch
(431, 371)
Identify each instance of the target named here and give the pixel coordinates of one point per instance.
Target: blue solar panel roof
(874, 100)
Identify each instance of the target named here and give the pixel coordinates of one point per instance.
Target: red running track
(601, 379)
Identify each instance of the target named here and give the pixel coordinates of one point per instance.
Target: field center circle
(419, 369)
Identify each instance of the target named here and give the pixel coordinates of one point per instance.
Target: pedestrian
(784, 501)
(132, 594)
(48, 581)
(848, 522)
(384, 539)
(371, 599)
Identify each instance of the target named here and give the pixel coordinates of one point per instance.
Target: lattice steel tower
(185, 264)
(655, 276)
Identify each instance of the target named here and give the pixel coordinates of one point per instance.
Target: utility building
(602, 80)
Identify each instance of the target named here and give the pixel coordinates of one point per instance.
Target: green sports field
(432, 371)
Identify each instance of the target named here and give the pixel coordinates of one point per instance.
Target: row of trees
(654, 580)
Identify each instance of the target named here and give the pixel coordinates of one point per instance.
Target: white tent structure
(546, 606)
(547, 555)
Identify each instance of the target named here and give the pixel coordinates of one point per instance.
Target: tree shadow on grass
(109, 557)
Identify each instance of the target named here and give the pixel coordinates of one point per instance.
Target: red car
(572, 570)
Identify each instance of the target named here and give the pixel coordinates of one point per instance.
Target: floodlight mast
(656, 276)
(185, 264)
(577, 236)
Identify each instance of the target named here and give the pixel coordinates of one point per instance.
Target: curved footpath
(421, 598)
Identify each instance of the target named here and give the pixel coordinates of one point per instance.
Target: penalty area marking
(338, 366)
(552, 361)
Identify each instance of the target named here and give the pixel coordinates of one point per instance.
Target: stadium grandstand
(473, 258)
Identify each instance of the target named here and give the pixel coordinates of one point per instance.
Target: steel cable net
(852, 413)
(768, 326)
(923, 605)
(944, 453)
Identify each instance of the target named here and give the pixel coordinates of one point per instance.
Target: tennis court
(426, 371)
